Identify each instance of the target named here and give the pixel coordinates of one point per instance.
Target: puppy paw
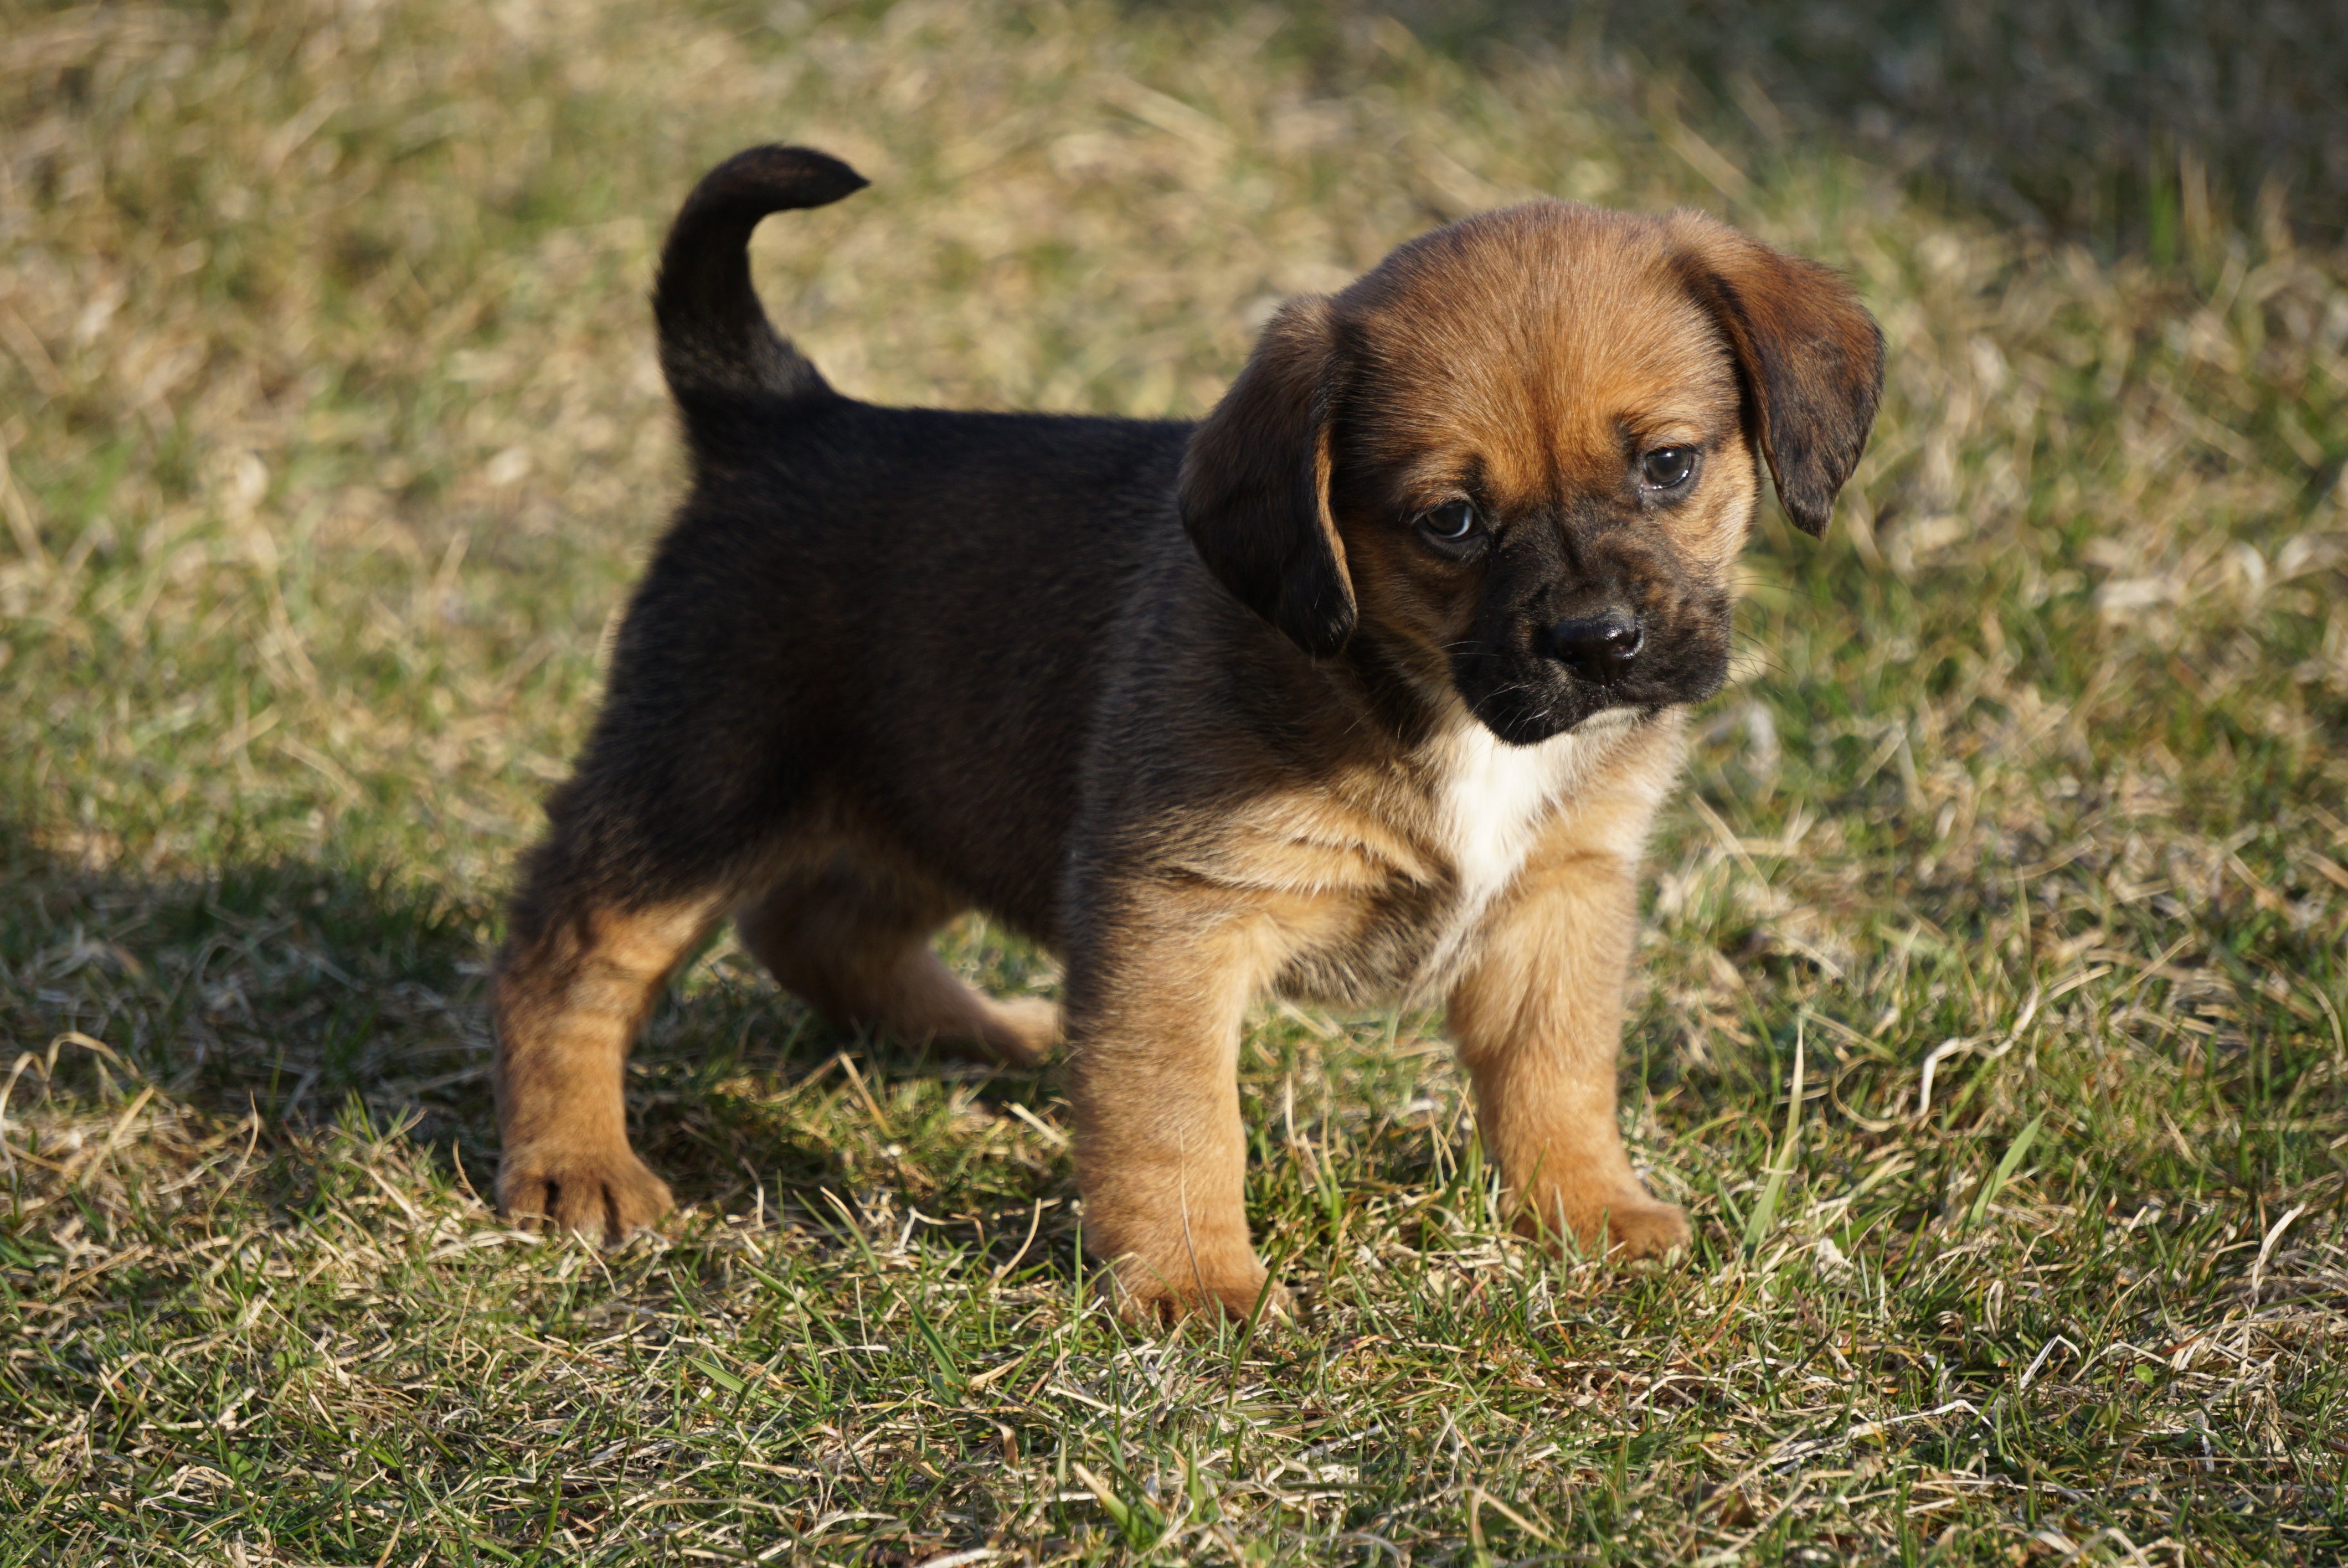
(1018, 1034)
(600, 1194)
(1623, 1227)
(1155, 1297)
(1022, 1031)
(1640, 1227)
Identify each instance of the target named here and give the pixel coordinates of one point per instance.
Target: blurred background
(2098, 122)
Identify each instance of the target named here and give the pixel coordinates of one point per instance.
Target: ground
(1990, 1014)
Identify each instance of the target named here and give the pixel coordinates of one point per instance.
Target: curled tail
(716, 346)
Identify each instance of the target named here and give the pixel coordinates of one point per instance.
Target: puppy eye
(1667, 467)
(1452, 523)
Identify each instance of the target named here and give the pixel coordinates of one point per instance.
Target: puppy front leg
(1538, 1021)
(1154, 1014)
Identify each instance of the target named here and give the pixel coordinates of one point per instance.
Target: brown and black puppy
(1368, 685)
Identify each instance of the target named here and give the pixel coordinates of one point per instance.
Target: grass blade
(1765, 1212)
(2015, 1153)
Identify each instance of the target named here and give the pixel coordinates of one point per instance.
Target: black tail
(716, 346)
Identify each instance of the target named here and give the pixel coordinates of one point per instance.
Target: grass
(332, 436)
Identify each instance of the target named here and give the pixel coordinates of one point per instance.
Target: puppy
(1366, 686)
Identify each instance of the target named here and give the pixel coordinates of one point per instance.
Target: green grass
(332, 436)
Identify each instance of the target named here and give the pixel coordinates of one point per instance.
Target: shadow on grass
(2132, 123)
(307, 994)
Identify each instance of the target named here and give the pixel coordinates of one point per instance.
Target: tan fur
(567, 1012)
(1538, 1016)
(863, 955)
(1245, 727)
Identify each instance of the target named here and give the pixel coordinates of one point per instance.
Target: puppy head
(1518, 459)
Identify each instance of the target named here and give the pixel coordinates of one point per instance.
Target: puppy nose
(1600, 647)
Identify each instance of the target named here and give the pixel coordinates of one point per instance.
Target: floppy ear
(1255, 493)
(1807, 353)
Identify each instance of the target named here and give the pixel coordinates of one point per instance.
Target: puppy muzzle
(1602, 648)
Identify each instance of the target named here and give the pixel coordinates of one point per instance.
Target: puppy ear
(1254, 492)
(1808, 353)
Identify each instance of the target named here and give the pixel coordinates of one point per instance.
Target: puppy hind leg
(574, 984)
(859, 950)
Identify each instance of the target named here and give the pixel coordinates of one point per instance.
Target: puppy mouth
(1527, 715)
(1527, 695)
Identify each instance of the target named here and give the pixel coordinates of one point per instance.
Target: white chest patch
(1495, 798)
(1492, 800)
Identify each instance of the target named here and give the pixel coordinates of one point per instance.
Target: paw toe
(1160, 1302)
(1646, 1229)
(600, 1197)
(1026, 1028)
